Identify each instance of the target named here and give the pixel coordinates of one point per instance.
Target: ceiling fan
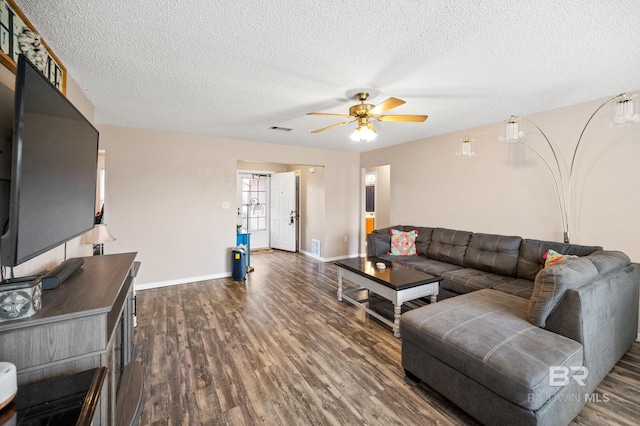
(363, 113)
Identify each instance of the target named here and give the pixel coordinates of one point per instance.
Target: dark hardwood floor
(279, 349)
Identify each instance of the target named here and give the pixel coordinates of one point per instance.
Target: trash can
(239, 262)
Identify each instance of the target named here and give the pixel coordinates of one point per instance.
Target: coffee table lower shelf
(397, 297)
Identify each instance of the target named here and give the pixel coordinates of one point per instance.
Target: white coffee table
(397, 283)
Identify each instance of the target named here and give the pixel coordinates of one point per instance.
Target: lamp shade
(98, 235)
(624, 110)
(467, 149)
(512, 129)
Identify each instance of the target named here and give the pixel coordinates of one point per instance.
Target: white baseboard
(315, 256)
(140, 287)
(638, 338)
(330, 259)
(181, 281)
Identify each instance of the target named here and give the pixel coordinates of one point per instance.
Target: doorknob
(292, 217)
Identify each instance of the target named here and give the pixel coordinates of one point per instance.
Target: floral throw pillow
(403, 243)
(552, 256)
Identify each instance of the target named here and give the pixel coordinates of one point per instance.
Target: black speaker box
(60, 273)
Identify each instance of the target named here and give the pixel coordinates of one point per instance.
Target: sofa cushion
(403, 243)
(519, 287)
(553, 281)
(530, 260)
(448, 245)
(493, 253)
(485, 335)
(424, 238)
(466, 279)
(433, 267)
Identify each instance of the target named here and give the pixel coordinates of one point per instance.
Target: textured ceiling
(235, 68)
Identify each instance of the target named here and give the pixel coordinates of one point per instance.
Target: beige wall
(7, 77)
(507, 189)
(164, 195)
(74, 248)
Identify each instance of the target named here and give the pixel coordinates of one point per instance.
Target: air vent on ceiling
(284, 129)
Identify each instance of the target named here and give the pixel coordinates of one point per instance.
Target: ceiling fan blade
(385, 106)
(331, 127)
(414, 118)
(327, 114)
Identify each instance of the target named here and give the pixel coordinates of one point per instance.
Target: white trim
(316, 257)
(223, 275)
(331, 259)
(255, 172)
(181, 281)
(638, 338)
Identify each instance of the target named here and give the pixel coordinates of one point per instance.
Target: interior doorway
(268, 209)
(370, 179)
(376, 198)
(309, 214)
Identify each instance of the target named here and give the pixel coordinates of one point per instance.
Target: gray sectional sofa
(519, 343)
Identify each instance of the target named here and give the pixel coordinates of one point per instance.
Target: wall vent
(315, 247)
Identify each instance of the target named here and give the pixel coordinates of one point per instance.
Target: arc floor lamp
(624, 111)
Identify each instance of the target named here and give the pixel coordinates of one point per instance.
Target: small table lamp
(98, 236)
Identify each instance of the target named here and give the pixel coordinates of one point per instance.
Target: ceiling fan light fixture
(364, 133)
(364, 113)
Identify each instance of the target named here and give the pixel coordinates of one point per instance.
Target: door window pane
(254, 197)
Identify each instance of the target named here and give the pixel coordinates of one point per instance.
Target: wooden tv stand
(85, 323)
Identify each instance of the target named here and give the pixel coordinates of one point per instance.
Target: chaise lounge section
(520, 343)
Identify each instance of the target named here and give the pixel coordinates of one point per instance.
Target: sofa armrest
(603, 316)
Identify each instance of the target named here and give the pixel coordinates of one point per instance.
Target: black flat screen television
(54, 155)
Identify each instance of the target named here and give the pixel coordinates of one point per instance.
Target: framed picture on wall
(17, 35)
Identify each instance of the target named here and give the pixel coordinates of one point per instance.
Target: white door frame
(266, 242)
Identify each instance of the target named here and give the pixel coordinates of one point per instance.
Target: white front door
(283, 211)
